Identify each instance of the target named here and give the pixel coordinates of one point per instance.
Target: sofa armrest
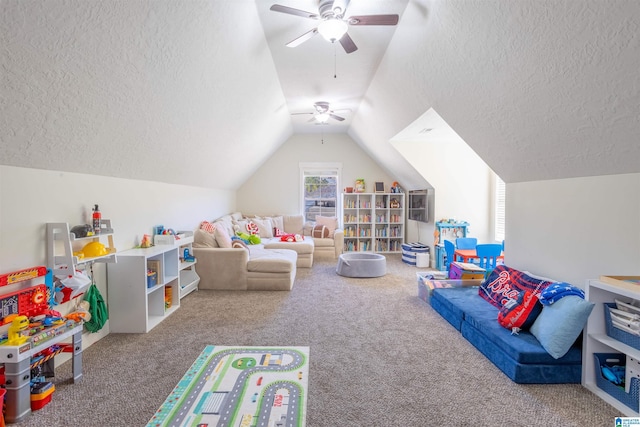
(222, 268)
(338, 241)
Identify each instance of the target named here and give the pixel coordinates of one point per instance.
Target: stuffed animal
(249, 239)
(292, 238)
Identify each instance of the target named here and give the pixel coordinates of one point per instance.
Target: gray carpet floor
(379, 356)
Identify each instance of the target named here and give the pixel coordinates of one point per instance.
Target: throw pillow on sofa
(203, 239)
(320, 232)
(559, 325)
(331, 222)
(505, 283)
(222, 237)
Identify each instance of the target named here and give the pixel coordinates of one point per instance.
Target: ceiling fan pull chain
(335, 73)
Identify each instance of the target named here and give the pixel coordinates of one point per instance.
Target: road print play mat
(240, 386)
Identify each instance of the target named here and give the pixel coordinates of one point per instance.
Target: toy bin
(630, 399)
(427, 283)
(410, 251)
(152, 278)
(466, 271)
(617, 333)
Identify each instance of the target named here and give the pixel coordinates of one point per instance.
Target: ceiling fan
(333, 25)
(323, 113)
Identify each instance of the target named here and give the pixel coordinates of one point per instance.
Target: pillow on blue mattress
(521, 312)
(560, 324)
(505, 283)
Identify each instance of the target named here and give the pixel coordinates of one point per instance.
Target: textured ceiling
(171, 91)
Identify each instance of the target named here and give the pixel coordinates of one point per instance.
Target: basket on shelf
(617, 333)
(631, 399)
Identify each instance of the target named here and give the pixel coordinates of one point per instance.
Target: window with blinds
(320, 185)
(499, 209)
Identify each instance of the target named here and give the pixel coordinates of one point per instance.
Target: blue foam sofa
(521, 357)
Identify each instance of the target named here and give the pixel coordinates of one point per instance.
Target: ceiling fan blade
(300, 114)
(373, 20)
(303, 38)
(348, 44)
(292, 11)
(338, 118)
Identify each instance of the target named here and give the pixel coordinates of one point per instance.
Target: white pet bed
(359, 264)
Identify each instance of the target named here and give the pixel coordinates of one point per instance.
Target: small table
(468, 255)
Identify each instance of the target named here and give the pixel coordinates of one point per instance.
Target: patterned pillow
(320, 231)
(207, 226)
(505, 283)
(277, 232)
(521, 312)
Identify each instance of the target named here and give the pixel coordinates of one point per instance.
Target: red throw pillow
(320, 231)
(520, 312)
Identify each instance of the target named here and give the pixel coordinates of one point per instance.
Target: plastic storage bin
(617, 333)
(630, 399)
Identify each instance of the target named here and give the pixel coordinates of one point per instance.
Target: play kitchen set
(32, 335)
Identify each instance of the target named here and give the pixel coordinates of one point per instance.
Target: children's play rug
(240, 386)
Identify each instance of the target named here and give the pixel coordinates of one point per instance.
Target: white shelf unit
(596, 339)
(189, 279)
(373, 222)
(134, 307)
(62, 243)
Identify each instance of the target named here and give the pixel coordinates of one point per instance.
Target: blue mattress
(520, 357)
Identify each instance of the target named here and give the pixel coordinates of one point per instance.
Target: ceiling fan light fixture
(322, 117)
(332, 29)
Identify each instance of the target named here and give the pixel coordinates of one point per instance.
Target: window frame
(320, 169)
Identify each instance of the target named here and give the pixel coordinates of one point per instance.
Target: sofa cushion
(560, 324)
(505, 283)
(222, 237)
(203, 239)
(464, 306)
(276, 221)
(293, 224)
(272, 261)
(265, 227)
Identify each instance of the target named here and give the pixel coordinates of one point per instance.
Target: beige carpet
(379, 357)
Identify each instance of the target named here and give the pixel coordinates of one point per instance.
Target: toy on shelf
(16, 331)
(188, 257)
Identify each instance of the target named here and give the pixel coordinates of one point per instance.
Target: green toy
(250, 239)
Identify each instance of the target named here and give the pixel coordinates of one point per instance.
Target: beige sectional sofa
(270, 265)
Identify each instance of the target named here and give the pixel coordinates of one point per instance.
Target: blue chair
(466, 242)
(488, 255)
(449, 249)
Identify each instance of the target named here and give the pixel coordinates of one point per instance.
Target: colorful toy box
(410, 252)
(466, 271)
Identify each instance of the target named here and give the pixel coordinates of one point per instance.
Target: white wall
(461, 182)
(275, 186)
(575, 229)
(29, 198)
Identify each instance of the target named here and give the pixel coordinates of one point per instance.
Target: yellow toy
(18, 325)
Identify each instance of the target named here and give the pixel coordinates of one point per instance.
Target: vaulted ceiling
(140, 89)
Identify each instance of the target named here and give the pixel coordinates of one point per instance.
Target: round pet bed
(359, 264)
